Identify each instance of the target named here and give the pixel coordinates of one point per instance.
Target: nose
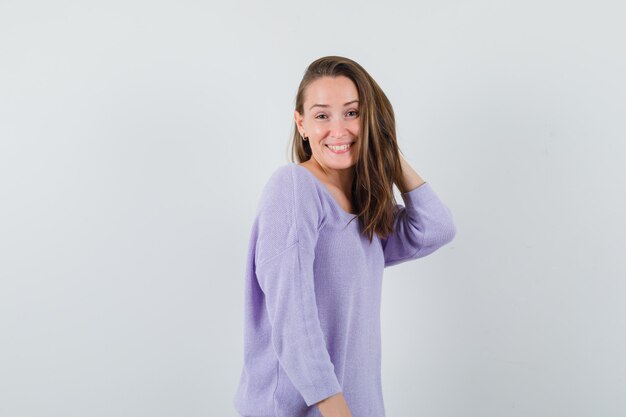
(338, 127)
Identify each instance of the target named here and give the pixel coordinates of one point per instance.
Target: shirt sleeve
(421, 226)
(288, 221)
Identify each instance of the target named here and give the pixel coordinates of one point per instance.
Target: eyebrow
(326, 105)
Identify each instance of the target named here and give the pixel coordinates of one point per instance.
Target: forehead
(331, 90)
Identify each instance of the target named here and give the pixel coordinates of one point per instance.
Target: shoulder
(289, 188)
(292, 173)
(290, 179)
(279, 186)
(281, 176)
(289, 211)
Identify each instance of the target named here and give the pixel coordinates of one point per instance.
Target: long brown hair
(378, 159)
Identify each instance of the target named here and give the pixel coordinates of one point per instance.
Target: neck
(341, 178)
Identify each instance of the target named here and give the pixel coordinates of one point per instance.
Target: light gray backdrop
(136, 137)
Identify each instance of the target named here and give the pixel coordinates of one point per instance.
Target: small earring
(305, 138)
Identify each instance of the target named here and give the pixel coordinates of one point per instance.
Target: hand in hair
(410, 178)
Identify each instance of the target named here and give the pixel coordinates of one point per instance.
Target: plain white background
(136, 136)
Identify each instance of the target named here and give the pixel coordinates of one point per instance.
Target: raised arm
(422, 225)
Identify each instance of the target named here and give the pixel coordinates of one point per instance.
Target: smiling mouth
(340, 149)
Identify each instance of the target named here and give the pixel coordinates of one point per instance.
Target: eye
(354, 111)
(318, 116)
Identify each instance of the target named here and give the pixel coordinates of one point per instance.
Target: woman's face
(331, 119)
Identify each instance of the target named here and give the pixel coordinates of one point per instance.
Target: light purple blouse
(313, 294)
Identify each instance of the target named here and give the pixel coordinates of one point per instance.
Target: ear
(298, 119)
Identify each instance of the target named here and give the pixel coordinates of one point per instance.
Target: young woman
(326, 227)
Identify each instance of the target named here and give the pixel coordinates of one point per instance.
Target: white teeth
(338, 148)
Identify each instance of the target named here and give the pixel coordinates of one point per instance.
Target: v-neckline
(326, 190)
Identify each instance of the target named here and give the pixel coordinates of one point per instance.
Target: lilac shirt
(313, 294)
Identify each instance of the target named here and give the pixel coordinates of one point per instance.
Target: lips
(339, 144)
(340, 151)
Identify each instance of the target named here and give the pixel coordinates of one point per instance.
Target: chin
(340, 164)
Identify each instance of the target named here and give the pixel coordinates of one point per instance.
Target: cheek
(320, 129)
